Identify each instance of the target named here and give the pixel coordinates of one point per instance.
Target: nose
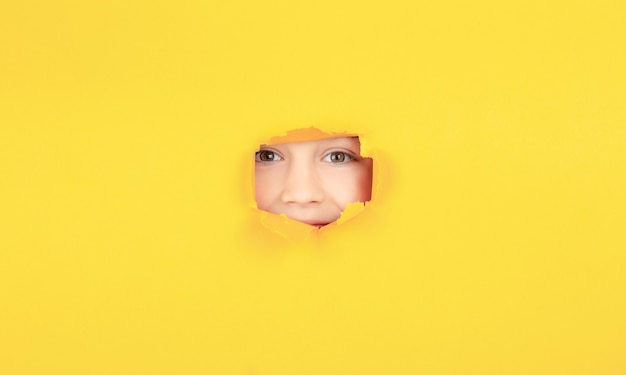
(302, 185)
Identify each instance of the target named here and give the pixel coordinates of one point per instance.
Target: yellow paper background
(495, 243)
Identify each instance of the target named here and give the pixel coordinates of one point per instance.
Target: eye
(338, 157)
(267, 156)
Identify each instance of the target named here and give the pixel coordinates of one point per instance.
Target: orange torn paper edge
(306, 134)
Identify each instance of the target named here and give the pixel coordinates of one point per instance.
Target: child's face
(313, 181)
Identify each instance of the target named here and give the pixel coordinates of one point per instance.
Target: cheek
(264, 187)
(365, 180)
(351, 185)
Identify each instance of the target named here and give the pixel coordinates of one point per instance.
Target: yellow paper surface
(494, 242)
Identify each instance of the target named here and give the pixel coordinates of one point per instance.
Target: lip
(314, 223)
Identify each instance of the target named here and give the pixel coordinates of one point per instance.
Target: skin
(312, 181)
